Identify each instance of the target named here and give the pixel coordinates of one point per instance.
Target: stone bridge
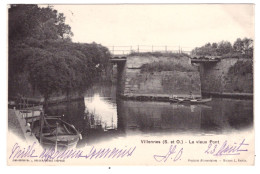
(134, 82)
(209, 76)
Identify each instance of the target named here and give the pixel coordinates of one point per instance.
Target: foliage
(32, 21)
(159, 54)
(40, 45)
(244, 47)
(240, 48)
(242, 68)
(224, 47)
(208, 49)
(166, 66)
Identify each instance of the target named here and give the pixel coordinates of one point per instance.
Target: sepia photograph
(131, 84)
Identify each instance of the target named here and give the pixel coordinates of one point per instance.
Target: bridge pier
(217, 78)
(120, 61)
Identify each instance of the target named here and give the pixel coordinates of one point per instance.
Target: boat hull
(190, 101)
(63, 134)
(67, 142)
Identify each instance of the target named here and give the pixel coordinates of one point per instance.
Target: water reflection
(101, 112)
(100, 116)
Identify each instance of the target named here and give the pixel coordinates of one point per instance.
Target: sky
(185, 26)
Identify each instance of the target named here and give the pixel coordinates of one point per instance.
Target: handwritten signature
(19, 152)
(50, 154)
(227, 149)
(173, 153)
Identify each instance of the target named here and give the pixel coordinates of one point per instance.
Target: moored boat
(190, 100)
(56, 132)
(202, 100)
(31, 111)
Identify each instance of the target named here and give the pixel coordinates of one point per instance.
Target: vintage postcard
(131, 84)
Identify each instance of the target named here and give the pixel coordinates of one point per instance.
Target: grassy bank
(159, 54)
(166, 66)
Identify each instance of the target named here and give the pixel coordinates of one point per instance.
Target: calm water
(100, 116)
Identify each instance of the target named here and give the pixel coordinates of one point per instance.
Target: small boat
(57, 132)
(175, 100)
(190, 100)
(201, 100)
(31, 111)
(179, 100)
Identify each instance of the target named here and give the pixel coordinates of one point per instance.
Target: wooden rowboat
(57, 132)
(190, 100)
(202, 100)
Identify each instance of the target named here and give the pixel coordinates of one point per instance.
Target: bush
(237, 55)
(240, 49)
(159, 54)
(242, 68)
(166, 66)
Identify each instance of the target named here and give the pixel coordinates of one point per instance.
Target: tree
(56, 72)
(224, 47)
(238, 45)
(241, 48)
(22, 21)
(61, 66)
(40, 46)
(206, 50)
(27, 25)
(33, 21)
(244, 47)
(214, 45)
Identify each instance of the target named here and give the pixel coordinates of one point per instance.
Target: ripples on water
(100, 116)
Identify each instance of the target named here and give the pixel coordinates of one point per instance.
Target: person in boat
(191, 95)
(174, 96)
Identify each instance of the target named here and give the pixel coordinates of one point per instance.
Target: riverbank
(147, 97)
(167, 98)
(229, 95)
(17, 124)
(31, 101)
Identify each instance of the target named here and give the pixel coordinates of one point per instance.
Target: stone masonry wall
(164, 83)
(215, 78)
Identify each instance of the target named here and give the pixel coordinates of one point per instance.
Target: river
(101, 117)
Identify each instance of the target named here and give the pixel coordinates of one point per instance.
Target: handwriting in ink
(227, 149)
(62, 154)
(18, 152)
(173, 153)
(50, 154)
